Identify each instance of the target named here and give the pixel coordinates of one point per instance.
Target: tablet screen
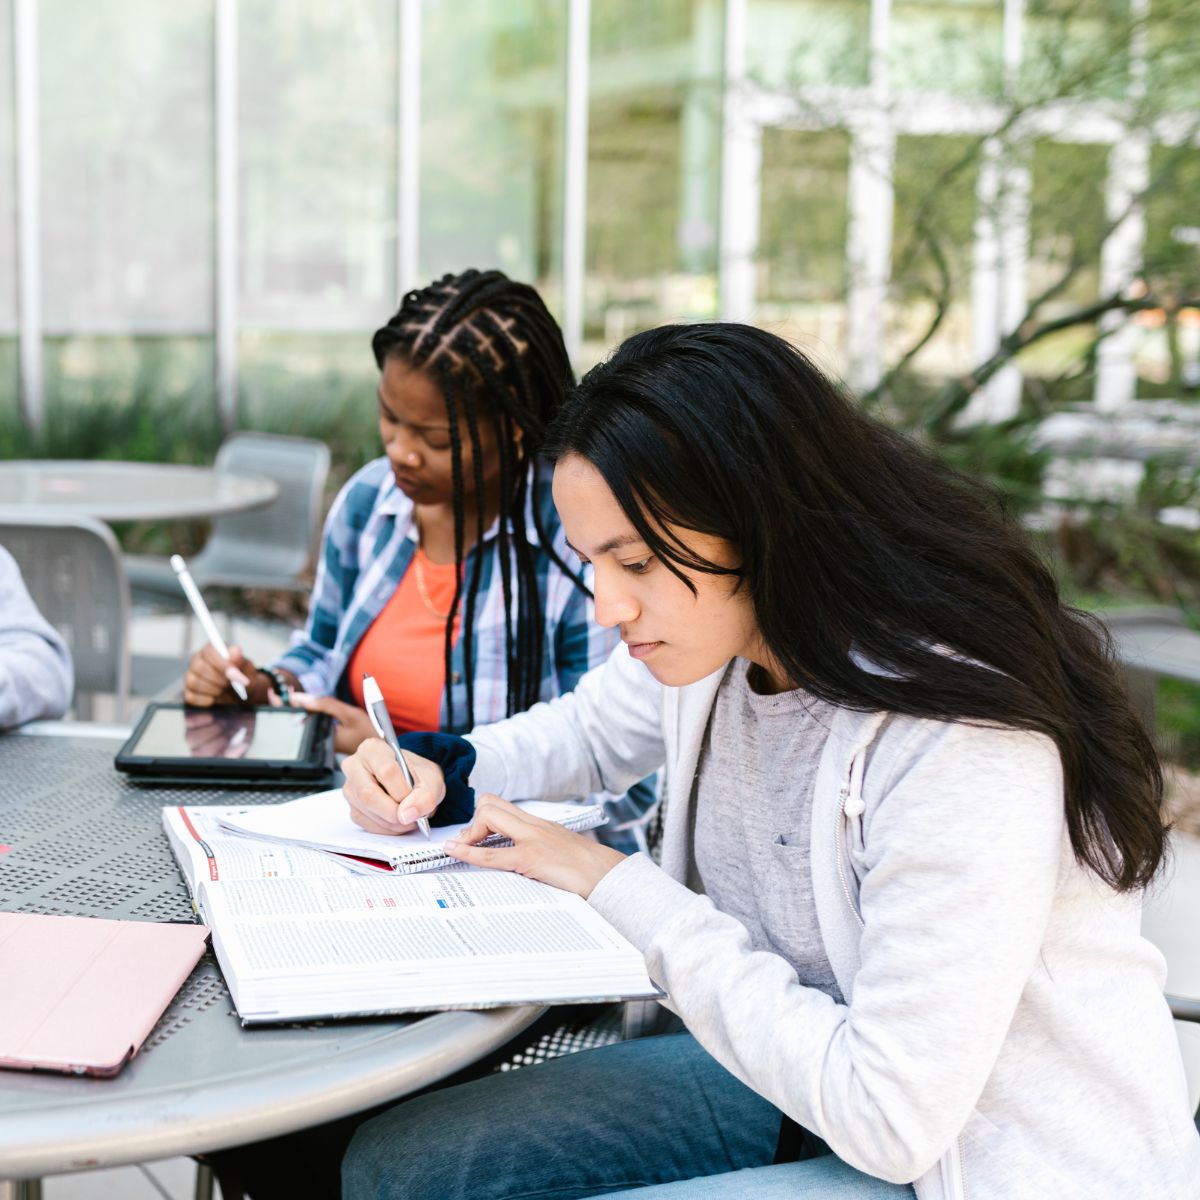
(230, 733)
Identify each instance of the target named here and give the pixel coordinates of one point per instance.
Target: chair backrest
(1169, 921)
(73, 569)
(279, 539)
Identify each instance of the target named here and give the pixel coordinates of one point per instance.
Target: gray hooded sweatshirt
(1004, 1033)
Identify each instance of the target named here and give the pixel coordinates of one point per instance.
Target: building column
(741, 177)
(870, 200)
(999, 292)
(225, 289)
(575, 160)
(1120, 266)
(408, 148)
(1121, 254)
(26, 61)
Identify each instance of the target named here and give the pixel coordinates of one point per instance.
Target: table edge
(208, 1118)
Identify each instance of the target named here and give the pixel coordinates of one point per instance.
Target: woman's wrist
(603, 860)
(262, 685)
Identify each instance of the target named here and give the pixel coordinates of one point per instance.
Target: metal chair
(73, 570)
(269, 548)
(1169, 921)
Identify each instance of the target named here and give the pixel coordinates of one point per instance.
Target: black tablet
(178, 743)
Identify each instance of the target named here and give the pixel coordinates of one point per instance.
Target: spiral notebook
(322, 822)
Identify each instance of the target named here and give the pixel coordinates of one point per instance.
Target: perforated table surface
(77, 839)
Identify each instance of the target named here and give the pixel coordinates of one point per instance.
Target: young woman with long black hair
(910, 813)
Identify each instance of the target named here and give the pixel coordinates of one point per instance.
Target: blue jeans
(635, 1115)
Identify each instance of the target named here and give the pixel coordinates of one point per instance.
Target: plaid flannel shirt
(368, 542)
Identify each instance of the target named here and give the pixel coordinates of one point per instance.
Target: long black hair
(851, 536)
(496, 353)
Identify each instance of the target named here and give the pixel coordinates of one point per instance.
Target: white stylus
(192, 592)
(382, 721)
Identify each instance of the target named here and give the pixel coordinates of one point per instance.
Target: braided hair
(494, 350)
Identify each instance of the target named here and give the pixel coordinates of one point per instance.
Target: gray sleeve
(36, 678)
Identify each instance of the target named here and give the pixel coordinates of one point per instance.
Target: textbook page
(204, 850)
(300, 937)
(322, 822)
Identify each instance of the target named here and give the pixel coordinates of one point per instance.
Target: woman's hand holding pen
(207, 681)
(380, 802)
(378, 796)
(541, 849)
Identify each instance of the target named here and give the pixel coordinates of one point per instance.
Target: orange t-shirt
(404, 647)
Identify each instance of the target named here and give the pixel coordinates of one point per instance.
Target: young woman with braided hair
(444, 572)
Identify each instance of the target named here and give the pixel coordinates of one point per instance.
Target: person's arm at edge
(36, 676)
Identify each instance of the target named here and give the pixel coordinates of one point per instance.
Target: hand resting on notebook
(541, 849)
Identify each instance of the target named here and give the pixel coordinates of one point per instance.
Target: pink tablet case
(80, 994)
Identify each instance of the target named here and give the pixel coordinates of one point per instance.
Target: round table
(129, 491)
(82, 841)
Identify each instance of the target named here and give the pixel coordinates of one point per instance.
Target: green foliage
(1178, 712)
(324, 391)
(140, 399)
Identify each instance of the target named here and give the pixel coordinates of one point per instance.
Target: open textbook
(322, 822)
(299, 936)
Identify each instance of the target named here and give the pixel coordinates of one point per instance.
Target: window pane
(1169, 358)
(129, 397)
(654, 154)
(1066, 230)
(941, 46)
(317, 129)
(492, 100)
(932, 242)
(1173, 53)
(802, 247)
(1077, 48)
(8, 185)
(126, 144)
(791, 43)
(318, 385)
(127, 211)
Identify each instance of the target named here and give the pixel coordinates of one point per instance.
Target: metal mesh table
(84, 842)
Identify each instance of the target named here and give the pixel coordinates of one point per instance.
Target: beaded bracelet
(278, 683)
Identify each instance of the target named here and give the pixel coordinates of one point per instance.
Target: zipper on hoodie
(843, 797)
(954, 1174)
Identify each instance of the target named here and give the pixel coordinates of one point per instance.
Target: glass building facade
(219, 200)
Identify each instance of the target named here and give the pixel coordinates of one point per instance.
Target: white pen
(192, 592)
(382, 721)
